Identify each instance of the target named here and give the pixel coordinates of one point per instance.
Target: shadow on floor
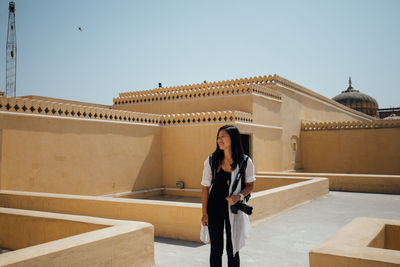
(178, 242)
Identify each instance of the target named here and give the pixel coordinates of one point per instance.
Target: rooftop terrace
(286, 239)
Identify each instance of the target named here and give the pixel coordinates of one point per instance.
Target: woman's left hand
(233, 199)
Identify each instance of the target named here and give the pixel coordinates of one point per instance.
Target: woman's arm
(204, 202)
(247, 190)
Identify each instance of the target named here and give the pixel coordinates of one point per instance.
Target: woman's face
(224, 140)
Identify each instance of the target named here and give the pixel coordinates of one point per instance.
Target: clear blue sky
(130, 45)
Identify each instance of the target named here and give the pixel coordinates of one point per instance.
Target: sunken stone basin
(171, 219)
(35, 238)
(364, 242)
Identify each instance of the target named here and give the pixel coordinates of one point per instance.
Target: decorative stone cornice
(39, 107)
(348, 125)
(33, 106)
(207, 117)
(259, 85)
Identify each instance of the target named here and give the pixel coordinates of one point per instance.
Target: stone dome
(354, 99)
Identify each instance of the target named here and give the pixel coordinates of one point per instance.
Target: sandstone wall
(358, 150)
(77, 156)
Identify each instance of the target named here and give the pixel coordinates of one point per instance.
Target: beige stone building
(149, 140)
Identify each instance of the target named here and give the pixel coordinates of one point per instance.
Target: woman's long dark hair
(236, 146)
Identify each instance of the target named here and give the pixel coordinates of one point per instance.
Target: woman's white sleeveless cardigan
(240, 223)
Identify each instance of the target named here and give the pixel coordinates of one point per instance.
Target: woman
(218, 197)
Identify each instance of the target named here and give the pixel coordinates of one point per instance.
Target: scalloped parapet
(207, 117)
(348, 125)
(49, 108)
(40, 107)
(263, 85)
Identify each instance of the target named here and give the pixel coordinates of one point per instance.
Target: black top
(220, 190)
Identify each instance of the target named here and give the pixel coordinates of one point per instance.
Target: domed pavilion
(352, 98)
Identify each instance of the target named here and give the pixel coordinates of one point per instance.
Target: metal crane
(11, 58)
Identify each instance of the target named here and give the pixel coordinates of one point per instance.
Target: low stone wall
(170, 219)
(368, 183)
(266, 182)
(50, 239)
(178, 220)
(364, 242)
(270, 202)
(263, 182)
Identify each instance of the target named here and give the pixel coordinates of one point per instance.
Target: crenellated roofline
(67, 110)
(262, 85)
(208, 85)
(349, 125)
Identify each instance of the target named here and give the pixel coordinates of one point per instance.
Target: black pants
(216, 222)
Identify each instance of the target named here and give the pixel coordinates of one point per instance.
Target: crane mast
(11, 70)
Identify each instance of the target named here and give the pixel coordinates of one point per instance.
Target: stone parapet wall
(34, 106)
(210, 85)
(349, 125)
(259, 85)
(65, 101)
(40, 107)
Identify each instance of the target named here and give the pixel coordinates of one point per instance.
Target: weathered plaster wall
(373, 151)
(73, 156)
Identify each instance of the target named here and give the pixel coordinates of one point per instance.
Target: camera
(243, 207)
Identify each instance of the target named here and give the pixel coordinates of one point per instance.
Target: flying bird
(79, 28)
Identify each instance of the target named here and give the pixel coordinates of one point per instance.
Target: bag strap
(240, 174)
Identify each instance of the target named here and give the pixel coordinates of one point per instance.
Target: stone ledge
(291, 192)
(367, 183)
(351, 246)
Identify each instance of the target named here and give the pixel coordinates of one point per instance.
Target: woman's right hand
(204, 220)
